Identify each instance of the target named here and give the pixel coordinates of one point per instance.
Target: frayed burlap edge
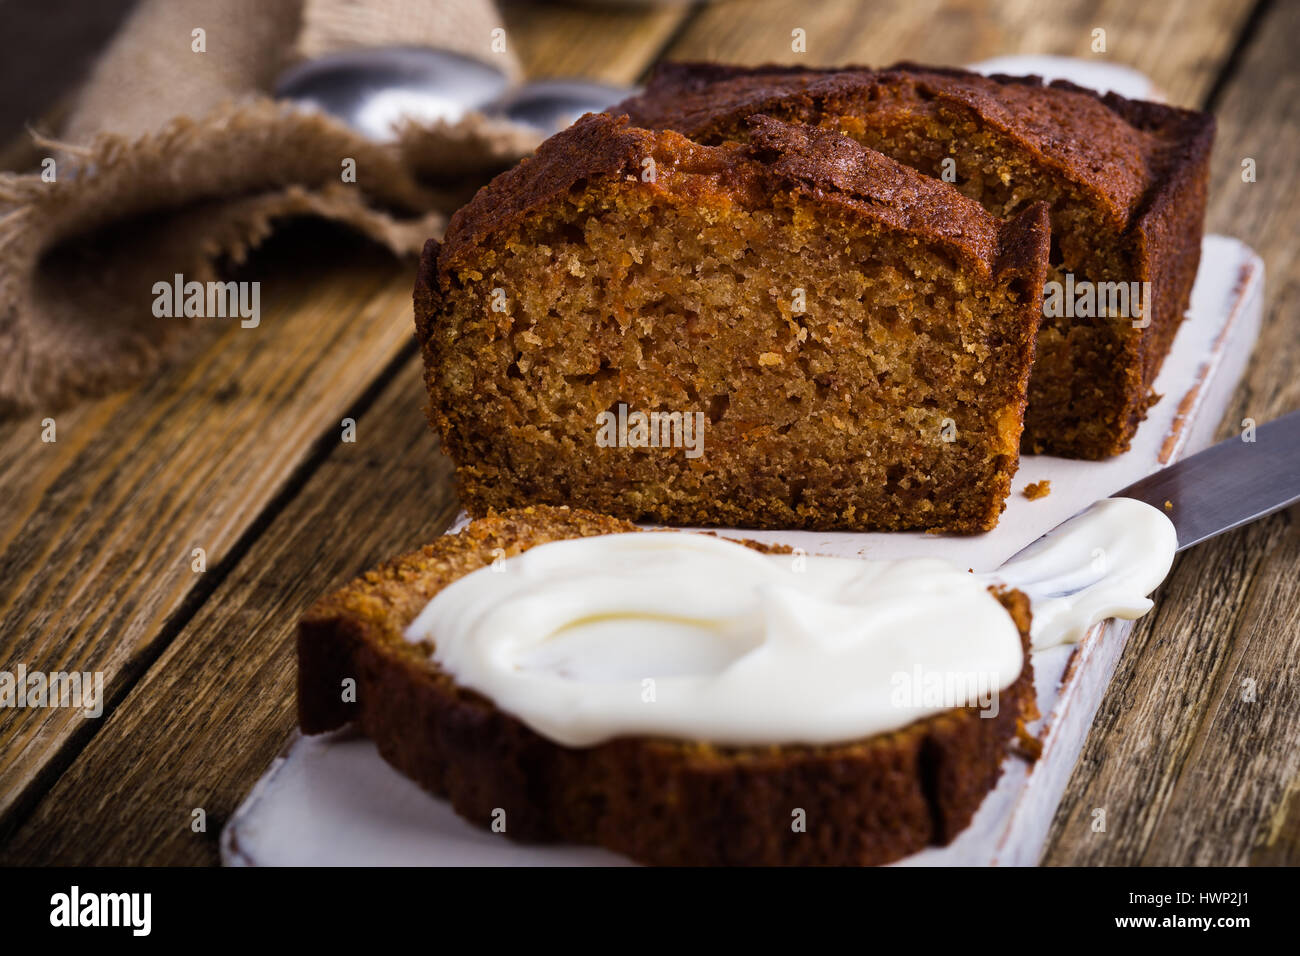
(79, 256)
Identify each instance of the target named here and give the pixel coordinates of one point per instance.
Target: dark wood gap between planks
(208, 584)
(1245, 36)
(194, 735)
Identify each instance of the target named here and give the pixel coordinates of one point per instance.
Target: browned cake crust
(657, 801)
(894, 402)
(1126, 181)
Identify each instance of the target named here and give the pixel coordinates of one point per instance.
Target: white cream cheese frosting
(680, 635)
(1101, 563)
(687, 636)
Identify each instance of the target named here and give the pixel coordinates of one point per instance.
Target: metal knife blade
(1227, 485)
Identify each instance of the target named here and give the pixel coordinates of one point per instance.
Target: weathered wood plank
(1245, 769)
(1181, 46)
(1192, 772)
(212, 712)
(1244, 759)
(609, 43)
(1166, 684)
(99, 527)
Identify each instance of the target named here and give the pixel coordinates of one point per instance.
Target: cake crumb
(1025, 744)
(1169, 505)
(1037, 489)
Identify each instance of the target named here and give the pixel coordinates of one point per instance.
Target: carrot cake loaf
(789, 331)
(1125, 181)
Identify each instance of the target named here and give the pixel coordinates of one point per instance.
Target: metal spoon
(371, 89)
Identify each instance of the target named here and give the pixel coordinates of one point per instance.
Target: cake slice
(1125, 180)
(792, 332)
(658, 800)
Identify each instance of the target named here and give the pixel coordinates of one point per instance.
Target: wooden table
(236, 449)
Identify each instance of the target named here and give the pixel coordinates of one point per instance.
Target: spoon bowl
(552, 105)
(374, 89)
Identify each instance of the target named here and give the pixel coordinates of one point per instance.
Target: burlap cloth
(172, 161)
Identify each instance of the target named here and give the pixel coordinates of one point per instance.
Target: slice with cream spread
(665, 634)
(688, 636)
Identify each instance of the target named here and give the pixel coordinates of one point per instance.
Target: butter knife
(1229, 484)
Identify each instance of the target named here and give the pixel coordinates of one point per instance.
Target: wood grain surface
(610, 43)
(218, 704)
(1181, 46)
(1190, 771)
(236, 448)
(100, 526)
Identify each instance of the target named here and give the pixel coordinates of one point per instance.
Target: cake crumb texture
(1037, 489)
(1125, 180)
(850, 339)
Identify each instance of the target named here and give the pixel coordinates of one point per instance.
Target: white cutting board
(332, 800)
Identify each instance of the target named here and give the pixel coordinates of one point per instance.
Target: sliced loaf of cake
(663, 801)
(1125, 181)
(793, 331)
